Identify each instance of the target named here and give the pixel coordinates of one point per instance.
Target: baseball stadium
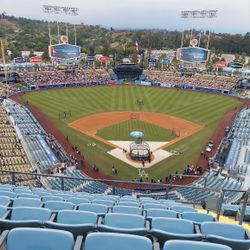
(141, 148)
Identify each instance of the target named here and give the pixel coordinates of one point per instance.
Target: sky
(233, 16)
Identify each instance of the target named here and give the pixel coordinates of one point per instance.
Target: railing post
(243, 210)
(167, 191)
(205, 182)
(62, 183)
(13, 178)
(195, 197)
(113, 188)
(220, 205)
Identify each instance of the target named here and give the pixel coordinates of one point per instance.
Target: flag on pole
(136, 46)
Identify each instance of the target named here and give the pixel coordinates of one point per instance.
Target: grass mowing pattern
(120, 132)
(200, 108)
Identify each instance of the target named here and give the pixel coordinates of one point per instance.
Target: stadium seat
(170, 228)
(114, 241)
(153, 213)
(197, 217)
(129, 203)
(127, 210)
(181, 209)
(7, 193)
(77, 201)
(26, 202)
(192, 245)
(5, 200)
(100, 209)
(230, 210)
(39, 238)
(231, 235)
(153, 205)
(52, 198)
(108, 203)
(56, 206)
(25, 217)
(3, 212)
(75, 221)
(26, 195)
(124, 223)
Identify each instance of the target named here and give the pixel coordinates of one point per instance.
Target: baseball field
(190, 120)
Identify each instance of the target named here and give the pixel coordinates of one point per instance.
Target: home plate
(158, 154)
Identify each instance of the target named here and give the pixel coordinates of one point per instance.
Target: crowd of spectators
(192, 79)
(65, 76)
(12, 154)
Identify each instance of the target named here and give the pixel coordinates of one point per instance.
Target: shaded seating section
(74, 221)
(171, 228)
(36, 238)
(114, 241)
(234, 236)
(186, 245)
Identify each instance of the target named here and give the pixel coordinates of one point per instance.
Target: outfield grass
(200, 108)
(121, 131)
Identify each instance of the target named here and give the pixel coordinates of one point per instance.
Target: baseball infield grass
(120, 132)
(206, 110)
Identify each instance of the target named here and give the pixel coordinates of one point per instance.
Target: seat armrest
(53, 217)
(6, 215)
(78, 242)
(3, 238)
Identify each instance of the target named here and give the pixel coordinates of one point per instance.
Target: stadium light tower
(198, 14)
(60, 10)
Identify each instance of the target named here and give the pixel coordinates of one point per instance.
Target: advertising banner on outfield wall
(192, 54)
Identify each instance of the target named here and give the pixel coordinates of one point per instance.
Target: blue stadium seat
(108, 203)
(39, 238)
(181, 209)
(3, 212)
(100, 209)
(56, 206)
(26, 202)
(153, 205)
(231, 235)
(192, 245)
(114, 241)
(77, 201)
(230, 210)
(154, 212)
(5, 200)
(127, 210)
(197, 217)
(124, 223)
(52, 198)
(75, 221)
(25, 217)
(26, 195)
(8, 194)
(129, 203)
(170, 228)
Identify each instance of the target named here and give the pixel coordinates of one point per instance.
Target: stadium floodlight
(199, 13)
(61, 10)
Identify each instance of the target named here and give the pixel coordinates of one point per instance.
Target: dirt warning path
(89, 125)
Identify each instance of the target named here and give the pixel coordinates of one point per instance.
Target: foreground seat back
(37, 238)
(231, 231)
(154, 212)
(192, 245)
(113, 241)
